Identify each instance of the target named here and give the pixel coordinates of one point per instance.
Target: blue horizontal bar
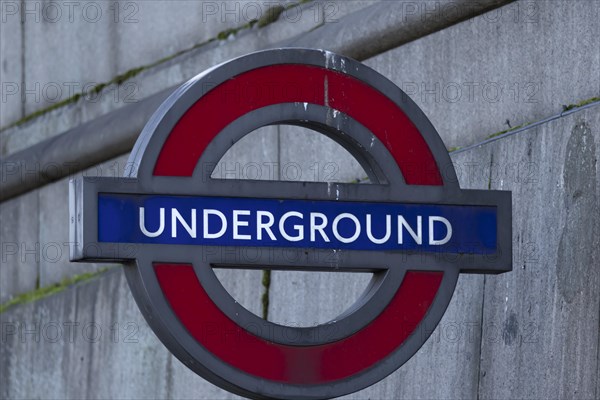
(296, 223)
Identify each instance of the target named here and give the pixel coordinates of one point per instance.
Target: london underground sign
(412, 227)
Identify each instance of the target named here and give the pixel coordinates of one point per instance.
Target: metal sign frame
(406, 162)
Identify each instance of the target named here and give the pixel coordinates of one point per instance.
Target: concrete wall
(531, 333)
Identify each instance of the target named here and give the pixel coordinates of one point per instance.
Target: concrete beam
(388, 25)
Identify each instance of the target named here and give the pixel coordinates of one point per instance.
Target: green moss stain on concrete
(42, 292)
(565, 108)
(580, 104)
(271, 15)
(224, 35)
(43, 111)
(266, 283)
(514, 128)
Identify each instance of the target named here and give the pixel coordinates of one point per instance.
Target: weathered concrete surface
(255, 156)
(90, 341)
(546, 312)
(312, 298)
(521, 63)
(11, 66)
(19, 265)
(315, 157)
